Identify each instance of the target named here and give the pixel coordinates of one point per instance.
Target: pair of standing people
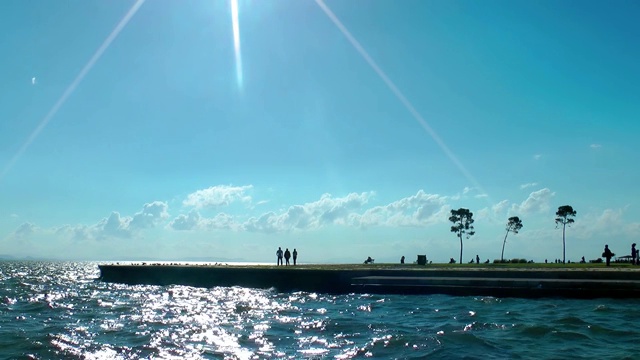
(287, 256)
(607, 254)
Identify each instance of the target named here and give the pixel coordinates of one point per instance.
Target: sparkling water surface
(59, 310)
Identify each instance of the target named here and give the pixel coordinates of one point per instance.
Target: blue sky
(344, 129)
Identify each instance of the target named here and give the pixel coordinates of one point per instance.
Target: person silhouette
(279, 255)
(295, 256)
(287, 255)
(607, 254)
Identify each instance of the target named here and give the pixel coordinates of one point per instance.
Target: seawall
(339, 279)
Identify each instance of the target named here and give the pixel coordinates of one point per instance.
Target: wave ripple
(58, 310)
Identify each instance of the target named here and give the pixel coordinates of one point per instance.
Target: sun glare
(236, 41)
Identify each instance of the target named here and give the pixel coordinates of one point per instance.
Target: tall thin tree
(513, 225)
(462, 220)
(564, 217)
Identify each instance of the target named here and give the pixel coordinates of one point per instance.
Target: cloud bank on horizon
(421, 213)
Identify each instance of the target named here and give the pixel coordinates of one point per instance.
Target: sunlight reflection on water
(59, 310)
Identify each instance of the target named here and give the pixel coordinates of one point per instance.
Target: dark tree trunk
(563, 246)
(503, 244)
(460, 236)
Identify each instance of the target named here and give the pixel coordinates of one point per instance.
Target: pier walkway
(411, 279)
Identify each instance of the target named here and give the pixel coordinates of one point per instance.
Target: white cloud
(267, 223)
(118, 226)
(466, 190)
(538, 201)
(537, 156)
(151, 215)
(222, 221)
(33, 81)
(416, 210)
(190, 221)
(605, 224)
(76, 233)
(113, 226)
(528, 185)
(484, 213)
(217, 196)
(195, 221)
(500, 207)
(489, 214)
(595, 146)
(25, 230)
(328, 210)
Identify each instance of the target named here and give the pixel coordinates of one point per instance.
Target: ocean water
(58, 310)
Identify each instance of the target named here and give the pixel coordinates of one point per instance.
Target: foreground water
(53, 310)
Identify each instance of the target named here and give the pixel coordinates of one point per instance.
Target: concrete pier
(339, 279)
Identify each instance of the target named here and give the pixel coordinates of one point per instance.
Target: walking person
(295, 256)
(287, 255)
(279, 255)
(633, 254)
(607, 254)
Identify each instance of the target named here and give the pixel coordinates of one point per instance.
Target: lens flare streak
(391, 85)
(85, 70)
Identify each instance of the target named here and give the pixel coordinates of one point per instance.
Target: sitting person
(369, 260)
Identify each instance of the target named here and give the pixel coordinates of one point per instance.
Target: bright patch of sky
(223, 130)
